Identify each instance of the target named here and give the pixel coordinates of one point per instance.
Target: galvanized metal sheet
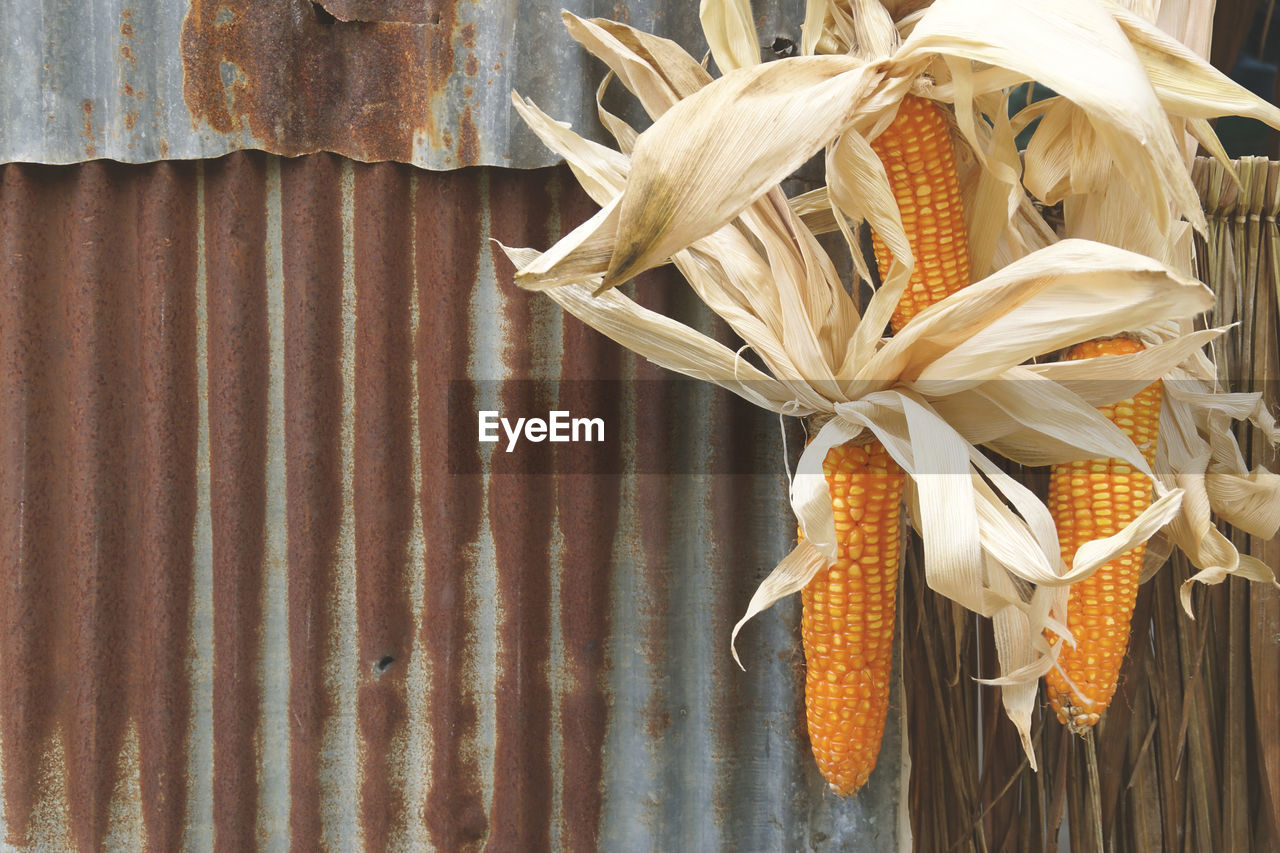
(252, 595)
(427, 83)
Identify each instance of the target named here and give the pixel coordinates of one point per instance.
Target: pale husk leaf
(723, 147)
(1249, 502)
(787, 578)
(730, 33)
(1186, 84)
(656, 70)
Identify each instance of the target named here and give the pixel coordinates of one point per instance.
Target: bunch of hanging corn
(700, 188)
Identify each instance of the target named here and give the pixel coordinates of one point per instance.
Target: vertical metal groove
(96, 592)
(273, 666)
(383, 493)
(339, 751)
(312, 240)
(198, 821)
(239, 357)
(410, 751)
(448, 242)
(480, 601)
(520, 507)
(166, 353)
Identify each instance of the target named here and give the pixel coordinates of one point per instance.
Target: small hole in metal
(383, 663)
(783, 47)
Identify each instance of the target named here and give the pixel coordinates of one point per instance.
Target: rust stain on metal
(33, 360)
(235, 220)
(100, 563)
(588, 507)
(468, 138)
(448, 250)
(91, 593)
(311, 225)
(167, 426)
(301, 81)
(126, 32)
(652, 404)
(383, 490)
(521, 505)
(90, 148)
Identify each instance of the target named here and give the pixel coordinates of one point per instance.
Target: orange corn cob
(848, 616)
(1092, 499)
(849, 609)
(918, 156)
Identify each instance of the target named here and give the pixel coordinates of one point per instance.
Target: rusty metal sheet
(426, 83)
(252, 595)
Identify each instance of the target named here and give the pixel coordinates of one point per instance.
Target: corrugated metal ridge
(250, 595)
(425, 83)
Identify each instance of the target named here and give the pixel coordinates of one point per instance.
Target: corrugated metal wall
(247, 598)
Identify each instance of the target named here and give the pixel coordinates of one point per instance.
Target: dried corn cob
(917, 153)
(1092, 499)
(849, 609)
(848, 616)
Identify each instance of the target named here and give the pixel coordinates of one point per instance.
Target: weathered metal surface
(247, 598)
(427, 83)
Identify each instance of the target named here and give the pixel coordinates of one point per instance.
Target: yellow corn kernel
(848, 659)
(919, 159)
(1100, 607)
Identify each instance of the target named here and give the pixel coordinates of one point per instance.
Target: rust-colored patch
(238, 365)
(468, 34)
(94, 546)
(126, 53)
(588, 510)
(301, 81)
(33, 507)
(468, 138)
(311, 236)
(86, 131)
(167, 508)
(448, 250)
(383, 490)
(472, 66)
(522, 506)
(130, 119)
